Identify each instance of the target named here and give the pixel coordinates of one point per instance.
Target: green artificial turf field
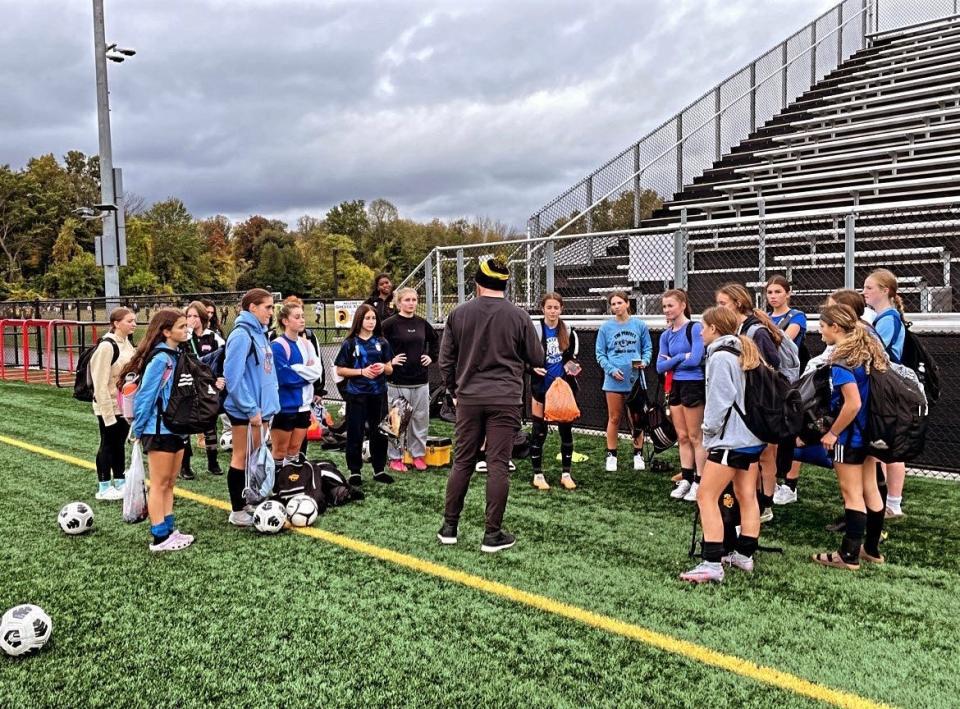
(241, 619)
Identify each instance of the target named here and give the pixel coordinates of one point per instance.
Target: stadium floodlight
(105, 207)
(126, 52)
(115, 58)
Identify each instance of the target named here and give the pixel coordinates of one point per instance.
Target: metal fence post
(762, 243)
(813, 53)
(636, 185)
(428, 286)
(439, 283)
(461, 284)
(716, 121)
(589, 188)
(849, 251)
(753, 97)
(549, 263)
(839, 34)
(783, 87)
(680, 253)
(680, 152)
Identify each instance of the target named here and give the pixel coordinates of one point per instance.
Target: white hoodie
(723, 428)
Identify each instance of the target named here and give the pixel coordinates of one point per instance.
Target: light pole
(112, 251)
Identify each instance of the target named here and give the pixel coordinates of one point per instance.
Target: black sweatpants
(364, 414)
(111, 456)
(498, 424)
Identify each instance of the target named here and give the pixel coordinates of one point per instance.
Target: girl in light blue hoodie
(731, 446)
(154, 362)
(252, 391)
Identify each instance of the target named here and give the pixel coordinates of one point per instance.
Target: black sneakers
(497, 541)
(187, 474)
(355, 479)
(383, 477)
(447, 534)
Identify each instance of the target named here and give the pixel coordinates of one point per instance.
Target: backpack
(802, 350)
(653, 419)
(83, 383)
(773, 408)
(789, 355)
(301, 478)
(335, 488)
(194, 401)
(896, 418)
(915, 356)
(815, 389)
(214, 362)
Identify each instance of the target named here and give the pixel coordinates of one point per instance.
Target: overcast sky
(447, 108)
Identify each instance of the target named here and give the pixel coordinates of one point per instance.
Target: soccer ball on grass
(76, 518)
(302, 510)
(269, 517)
(23, 629)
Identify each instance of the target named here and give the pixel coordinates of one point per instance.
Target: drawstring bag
(135, 489)
(260, 472)
(560, 405)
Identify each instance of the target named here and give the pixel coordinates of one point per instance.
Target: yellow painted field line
(662, 641)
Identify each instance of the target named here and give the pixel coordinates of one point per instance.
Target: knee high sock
(712, 551)
(746, 545)
(539, 435)
(235, 482)
(566, 446)
(853, 537)
(871, 542)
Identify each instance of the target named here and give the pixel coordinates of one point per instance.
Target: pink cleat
(419, 463)
(397, 466)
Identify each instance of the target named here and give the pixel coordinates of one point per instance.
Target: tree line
(46, 250)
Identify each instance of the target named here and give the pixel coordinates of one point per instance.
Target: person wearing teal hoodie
(623, 350)
(154, 363)
(253, 396)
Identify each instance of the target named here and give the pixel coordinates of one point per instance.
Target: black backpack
(336, 490)
(773, 408)
(214, 362)
(83, 383)
(915, 356)
(300, 478)
(652, 418)
(194, 401)
(896, 418)
(815, 389)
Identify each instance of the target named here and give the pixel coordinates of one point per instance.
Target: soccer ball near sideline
(226, 440)
(23, 629)
(269, 517)
(302, 510)
(76, 518)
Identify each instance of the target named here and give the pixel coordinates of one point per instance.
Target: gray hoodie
(725, 384)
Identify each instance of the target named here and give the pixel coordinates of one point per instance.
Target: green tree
(74, 272)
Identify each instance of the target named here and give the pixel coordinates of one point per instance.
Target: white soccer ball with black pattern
(269, 517)
(302, 510)
(23, 629)
(226, 440)
(76, 518)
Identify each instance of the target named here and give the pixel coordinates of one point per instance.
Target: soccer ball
(76, 518)
(302, 510)
(226, 440)
(269, 517)
(23, 629)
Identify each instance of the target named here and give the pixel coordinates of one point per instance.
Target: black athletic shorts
(733, 459)
(236, 421)
(289, 422)
(850, 456)
(689, 393)
(162, 443)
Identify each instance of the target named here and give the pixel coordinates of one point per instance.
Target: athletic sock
(235, 481)
(637, 451)
(168, 520)
(853, 537)
(746, 545)
(871, 541)
(711, 551)
(792, 483)
(159, 532)
(696, 477)
(611, 452)
(688, 474)
(894, 503)
(212, 462)
(766, 501)
(104, 485)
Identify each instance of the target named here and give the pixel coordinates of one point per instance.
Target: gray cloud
(446, 108)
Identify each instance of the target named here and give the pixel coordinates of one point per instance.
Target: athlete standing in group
(623, 351)
(381, 299)
(681, 355)
(202, 341)
(561, 346)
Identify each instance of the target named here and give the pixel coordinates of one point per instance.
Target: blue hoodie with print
(156, 383)
(251, 376)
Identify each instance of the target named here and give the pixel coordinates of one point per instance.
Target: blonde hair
(859, 347)
(398, 295)
(726, 323)
(290, 304)
(885, 279)
(741, 298)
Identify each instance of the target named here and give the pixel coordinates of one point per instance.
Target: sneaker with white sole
(511, 467)
(540, 482)
(766, 515)
(480, 467)
(611, 464)
(783, 495)
(497, 541)
(704, 572)
(638, 462)
(681, 490)
(241, 519)
(447, 534)
(744, 563)
(691, 495)
(172, 543)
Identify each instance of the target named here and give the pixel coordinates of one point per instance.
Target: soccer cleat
(447, 534)
(766, 515)
(480, 467)
(397, 466)
(611, 464)
(744, 563)
(891, 513)
(681, 490)
(355, 479)
(497, 541)
(172, 543)
(419, 463)
(783, 495)
(691, 495)
(187, 474)
(540, 482)
(242, 518)
(704, 572)
(638, 462)
(567, 483)
(383, 477)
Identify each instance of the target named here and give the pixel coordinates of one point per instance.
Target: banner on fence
(345, 310)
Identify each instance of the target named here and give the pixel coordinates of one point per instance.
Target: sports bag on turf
(336, 490)
(789, 355)
(194, 400)
(260, 470)
(300, 478)
(815, 389)
(83, 382)
(896, 417)
(915, 356)
(135, 489)
(653, 418)
(560, 405)
(773, 408)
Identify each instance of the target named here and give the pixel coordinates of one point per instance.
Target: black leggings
(364, 413)
(540, 428)
(111, 456)
(209, 443)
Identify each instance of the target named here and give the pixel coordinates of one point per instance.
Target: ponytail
(776, 334)
(749, 354)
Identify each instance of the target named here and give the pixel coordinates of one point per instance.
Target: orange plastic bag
(560, 405)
